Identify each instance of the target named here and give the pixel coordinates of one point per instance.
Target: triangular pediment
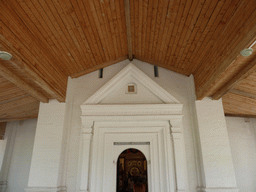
(131, 86)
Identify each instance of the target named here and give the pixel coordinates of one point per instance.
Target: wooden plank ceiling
(53, 39)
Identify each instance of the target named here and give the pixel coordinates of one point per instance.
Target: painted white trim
(157, 133)
(155, 118)
(152, 120)
(134, 110)
(218, 189)
(46, 189)
(131, 70)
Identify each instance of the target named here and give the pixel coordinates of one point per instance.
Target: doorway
(131, 169)
(110, 139)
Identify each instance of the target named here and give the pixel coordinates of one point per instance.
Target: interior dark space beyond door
(131, 169)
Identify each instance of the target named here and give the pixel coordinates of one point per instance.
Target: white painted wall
(80, 89)
(21, 156)
(45, 171)
(20, 136)
(216, 154)
(17, 158)
(3, 147)
(242, 135)
(10, 135)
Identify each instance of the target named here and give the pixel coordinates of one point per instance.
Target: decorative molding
(217, 189)
(134, 110)
(155, 132)
(46, 189)
(174, 119)
(153, 119)
(131, 71)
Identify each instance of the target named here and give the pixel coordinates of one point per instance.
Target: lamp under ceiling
(246, 52)
(5, 55)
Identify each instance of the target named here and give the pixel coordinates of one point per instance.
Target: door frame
(162, 121)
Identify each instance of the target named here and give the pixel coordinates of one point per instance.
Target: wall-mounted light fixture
(5, 55)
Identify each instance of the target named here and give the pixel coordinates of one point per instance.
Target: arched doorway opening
(131, 169)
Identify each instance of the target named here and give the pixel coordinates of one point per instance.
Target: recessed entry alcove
(131, 169)
(114, 122)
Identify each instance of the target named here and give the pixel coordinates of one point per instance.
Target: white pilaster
(217, 160)
(85, 156)
(46, 159)
(180, 159)
(9, 140)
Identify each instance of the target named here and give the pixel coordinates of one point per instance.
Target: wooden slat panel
(170, 21)
(187, 31)
(98, 67)
(242, 74)
(122, 26)
(148, 24)
(93, 11)
(152, 30)
(9, 91)
(86, 33)
(224, 17)
(57, 38)
(248, 85)
(22, 108)
(55, 78)
(177, 23)
(28, 40)
(53, 20)
(6, 73)
(144, 26)
(210, 21)
(21, 72)
(177, 38)
(42, 26)
(67, 14)
(243, 93)
(206, 75)
(160, 23)
(240, 105)
(164, 66)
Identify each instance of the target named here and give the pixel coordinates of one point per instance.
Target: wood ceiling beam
(128, 28)
(239, 115)
(245, 72)
(6, 73)
(243, 93)
(19, 62)
(13, 99)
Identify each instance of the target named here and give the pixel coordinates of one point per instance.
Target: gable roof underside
(51, 40)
